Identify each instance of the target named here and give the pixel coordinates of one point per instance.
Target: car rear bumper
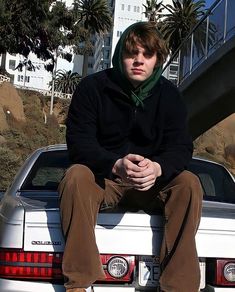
(7, 285)
(218, 289)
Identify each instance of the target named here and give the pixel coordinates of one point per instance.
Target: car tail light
(221, 272)
(30, 265)
(118, 267)
(18, 264)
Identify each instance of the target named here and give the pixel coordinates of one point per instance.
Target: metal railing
(213, 30)
(46, 92)
(4, 78)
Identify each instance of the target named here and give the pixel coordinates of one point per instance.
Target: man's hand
(138, 171)
(127, 166)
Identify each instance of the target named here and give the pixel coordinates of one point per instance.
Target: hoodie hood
(138, 94)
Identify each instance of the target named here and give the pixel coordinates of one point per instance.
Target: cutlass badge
(39, 242)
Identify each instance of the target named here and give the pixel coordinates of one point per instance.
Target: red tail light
(221, 272)
(118, 268)
(18, 264)
(34, 265)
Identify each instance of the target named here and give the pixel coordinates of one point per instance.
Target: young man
(128, 140)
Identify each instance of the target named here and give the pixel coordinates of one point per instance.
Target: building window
(123, 7)
(20, 78)
(107, 41)
(111, 3)
(90, 65)
(106, 66)
(27, 79)
(134, 8)
(138, 9)
(119, 33)
(12, 64)
(173, 69)
(106, 54)
(129, 7)
(176, 59)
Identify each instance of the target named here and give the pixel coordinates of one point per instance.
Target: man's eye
(148, 55)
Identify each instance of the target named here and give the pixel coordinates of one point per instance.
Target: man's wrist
(114, 169)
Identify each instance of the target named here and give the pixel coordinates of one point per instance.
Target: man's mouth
(137, 71)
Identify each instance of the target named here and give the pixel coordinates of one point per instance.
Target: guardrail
(47, 92)
(213, 30)
(4, 78)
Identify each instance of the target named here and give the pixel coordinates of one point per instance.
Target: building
(124, 14)
(34, 75)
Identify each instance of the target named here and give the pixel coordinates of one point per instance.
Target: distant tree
(21, 25)
(179, 20)
(153, 10)
(93, 16)
(41, 27)
(66, 81)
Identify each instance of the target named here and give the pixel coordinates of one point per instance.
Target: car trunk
(116, 232)
(120, 232)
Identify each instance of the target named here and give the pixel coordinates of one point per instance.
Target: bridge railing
(214, 29)
(4, 78)
(47, 92)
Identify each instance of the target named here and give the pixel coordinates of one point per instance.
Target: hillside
(25, 125)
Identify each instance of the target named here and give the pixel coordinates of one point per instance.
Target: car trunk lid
(116, 232)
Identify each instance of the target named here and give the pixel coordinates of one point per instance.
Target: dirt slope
(217, 144)
(10, 104)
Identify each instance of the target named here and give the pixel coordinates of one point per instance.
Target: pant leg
(80, 199)
(178, 258)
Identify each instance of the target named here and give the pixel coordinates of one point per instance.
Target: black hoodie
(103, 125)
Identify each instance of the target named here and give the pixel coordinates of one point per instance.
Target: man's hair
(146, 35)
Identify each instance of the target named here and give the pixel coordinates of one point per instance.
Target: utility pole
(53, 83)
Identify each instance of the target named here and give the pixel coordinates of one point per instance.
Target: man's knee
(188, 178)
(190, 183)
(76, 177)
(79, 173)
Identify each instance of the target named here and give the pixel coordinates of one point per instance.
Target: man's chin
(136, 81)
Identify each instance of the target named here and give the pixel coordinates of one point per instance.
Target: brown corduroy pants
(80, 200)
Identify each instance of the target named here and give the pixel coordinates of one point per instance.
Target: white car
(31, 241)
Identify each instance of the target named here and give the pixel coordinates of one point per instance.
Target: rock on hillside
(10, 103)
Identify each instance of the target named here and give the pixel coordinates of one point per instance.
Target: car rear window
(50, 167)
(47, 171)
(217, 183)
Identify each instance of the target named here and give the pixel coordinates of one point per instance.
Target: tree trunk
(3, 62)
(53, 83)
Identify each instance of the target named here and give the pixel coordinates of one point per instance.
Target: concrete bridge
(209, 88)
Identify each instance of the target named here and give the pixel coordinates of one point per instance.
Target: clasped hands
(141, 173)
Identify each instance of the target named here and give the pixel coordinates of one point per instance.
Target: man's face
(139, 66)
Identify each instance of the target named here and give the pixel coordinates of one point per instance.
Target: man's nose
(138, 58)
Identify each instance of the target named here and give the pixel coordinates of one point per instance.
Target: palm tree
(95, 17)
(152, 10)
(66, 81)
(182, 16)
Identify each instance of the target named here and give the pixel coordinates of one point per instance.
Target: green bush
(10, 163)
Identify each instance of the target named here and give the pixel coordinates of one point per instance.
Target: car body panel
(30, 220)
